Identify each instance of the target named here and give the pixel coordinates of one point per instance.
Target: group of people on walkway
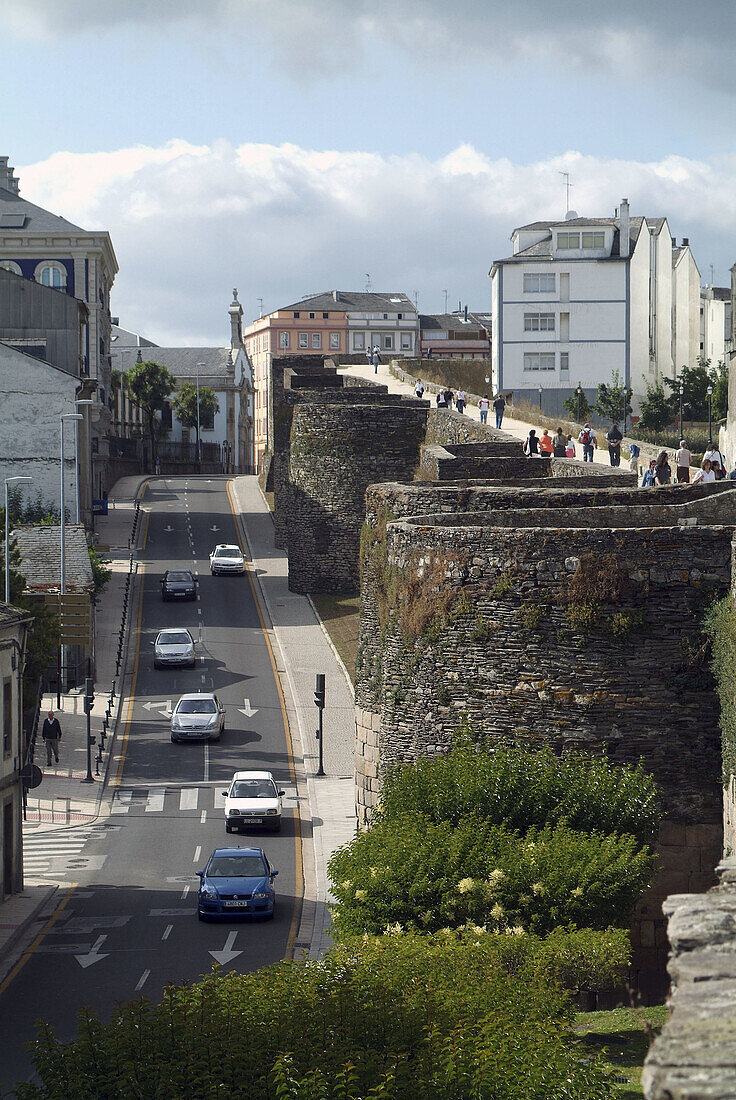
(499, 408)
(712, 467)
(545, 445)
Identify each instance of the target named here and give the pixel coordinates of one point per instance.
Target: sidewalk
(302, 649)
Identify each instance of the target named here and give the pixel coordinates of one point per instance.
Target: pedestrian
(499, 407)
(158, 467)
(51, 736)
(718, 470)
(732, 475)
(429, 354)
(647, 482)
(683, 459)
(376, 358)
(613, 439)
(570, 448)
(461, 400)
(440, 399)
(706, 472)
(449, 397)
(419, 388)
(587, 438)
(663, 470)
(546, 445)
(559, 444)
(634, 453)
(531, 444)
(712, 453)
(483, 406)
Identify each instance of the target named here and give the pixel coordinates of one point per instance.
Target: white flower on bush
(537, 889)
(465, 885)
(393, 929)
(361, 895)
(497, 912)
(577, 892)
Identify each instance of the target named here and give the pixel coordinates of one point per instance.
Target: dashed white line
(167, 931)
(187, 888)
(203, 818)
(206, 762)
(142, 980)
(197, 854)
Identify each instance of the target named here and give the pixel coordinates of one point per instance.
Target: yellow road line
(287, 730)
(41, 935)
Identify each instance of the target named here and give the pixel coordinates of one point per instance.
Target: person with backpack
(587, 438)
(613, 439)
(483, 409)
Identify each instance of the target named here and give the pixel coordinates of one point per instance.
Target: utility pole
(319, 701)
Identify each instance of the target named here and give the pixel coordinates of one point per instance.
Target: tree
(611, 400)
(656, 408)
(695, 382)
(150, 384)
(185, 406)
(719, 380)
(578, 408)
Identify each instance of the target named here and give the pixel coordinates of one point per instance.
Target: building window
(536, 361)
(284, 340)
(334, 341)
(303, 339)
(325, 316)
(388, 342)
(311, 316)
(539, 284)
(11, 265)
(568, 240)
(593, 240)
(358, 341)
(385, 316)
(166, 418)
(400, 316)
(317, 341)
(539, 322)
(7, 717)
(207, 419)
(50, 273)
(406, 341)
(564, 360)
(296, 312)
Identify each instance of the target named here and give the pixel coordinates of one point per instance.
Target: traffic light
(89, 695)
(319, 691)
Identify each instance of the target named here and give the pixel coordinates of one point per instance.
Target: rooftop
(39, 546)
(182, 362)
(357, 301)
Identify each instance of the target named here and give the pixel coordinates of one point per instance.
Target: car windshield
(196, 706)
(253, 788)
(227, 552)
(236, 867)
(174, 637)
(179, 576)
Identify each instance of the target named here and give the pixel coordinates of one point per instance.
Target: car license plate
(254, 820)
(236, 904)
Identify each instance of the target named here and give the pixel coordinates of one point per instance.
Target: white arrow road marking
(142, 980)
(213, 528)
(227, 954)
(247, 709)
(94, 954)
(168, 528)
(162, 703)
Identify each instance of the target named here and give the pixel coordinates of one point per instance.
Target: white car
(227, 559)
(173, 647)
(198, 715)
(253, 799)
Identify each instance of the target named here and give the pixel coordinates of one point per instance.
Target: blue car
(237, 882)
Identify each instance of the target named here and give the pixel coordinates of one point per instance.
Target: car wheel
(174, 740)
(215, 738)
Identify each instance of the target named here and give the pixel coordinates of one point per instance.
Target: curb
(8, 949)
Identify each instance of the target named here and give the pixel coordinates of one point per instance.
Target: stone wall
(695, 1056)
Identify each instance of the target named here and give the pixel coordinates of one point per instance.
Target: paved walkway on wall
(303, 648)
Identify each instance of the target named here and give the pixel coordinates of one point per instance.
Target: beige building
(14, 626)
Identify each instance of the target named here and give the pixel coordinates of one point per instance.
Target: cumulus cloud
(628, 38)
(190, 222)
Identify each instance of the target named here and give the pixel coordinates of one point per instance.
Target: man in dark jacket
(613, 438)
(51, 736)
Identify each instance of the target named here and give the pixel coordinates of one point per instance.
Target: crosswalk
(57, 853)
(173, 800)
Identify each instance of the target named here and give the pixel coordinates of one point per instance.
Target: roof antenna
(260, 306)
(367, 283)
(568, 188)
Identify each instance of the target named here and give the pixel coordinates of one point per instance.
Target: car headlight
(272, 812)
(213, 720)
(208, 892)
(176, 722)
(260, 895)
(234, 813)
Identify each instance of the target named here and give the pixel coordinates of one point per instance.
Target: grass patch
(623, 1036)
(341, 616)
(269, 500)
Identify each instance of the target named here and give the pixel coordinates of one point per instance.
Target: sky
(286, 147)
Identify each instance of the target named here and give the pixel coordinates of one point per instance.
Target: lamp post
(680, 391)
(579, 393)
(199, 440)
(79, 401)
(7, 534)
(626, 395)
(540, 399)
(709, 391)
(62, 502)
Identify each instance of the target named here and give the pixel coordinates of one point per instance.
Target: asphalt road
(129, 926)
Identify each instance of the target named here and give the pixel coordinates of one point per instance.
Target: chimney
(466, 313)
(236, 321)
(623, 223)
(685, 242)
(335, 296)
(7, 179)
(674, 242)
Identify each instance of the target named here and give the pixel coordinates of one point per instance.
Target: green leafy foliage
(415, 874)
(100, 572)
(611, 400)
(185, 405)
(510, 785)
(656, 409)
(150, 384)
(578, 409)
(393, 1018)
(720, 626)
(695, 382)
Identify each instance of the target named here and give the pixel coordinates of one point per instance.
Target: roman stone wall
(335, 452)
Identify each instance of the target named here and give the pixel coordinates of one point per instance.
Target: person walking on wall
(531, 444)
(546, 445)
(449, 398)
(587, 439)
(559, 444)
(499, 407)
(570, 448)
(613, 439)
(648, 482)
(51, 736)
(439, 400)
(419, 389)
(706, 473)
(634, 452)
(375, 358)
(461, 401)
(683, 459)
(663, 469)
(483, 406)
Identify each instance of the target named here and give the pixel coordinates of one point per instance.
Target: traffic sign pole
(89, 702)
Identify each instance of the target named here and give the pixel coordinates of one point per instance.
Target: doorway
(8, 848)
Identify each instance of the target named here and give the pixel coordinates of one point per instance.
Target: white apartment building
(582, 298)
(715, 323)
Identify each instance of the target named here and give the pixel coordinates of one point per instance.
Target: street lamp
(199, 439)
(680, 393)
(7, 534)
(709, 391)
(540, 399)
(579, 392)
(626, 396)
(62, 501)
(78, 401)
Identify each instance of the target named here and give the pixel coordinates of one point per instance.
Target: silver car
(227, 559)
(173, 648)
(198, 716)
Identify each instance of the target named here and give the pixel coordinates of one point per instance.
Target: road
(126, 921)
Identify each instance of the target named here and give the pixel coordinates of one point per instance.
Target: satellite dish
(571, 214)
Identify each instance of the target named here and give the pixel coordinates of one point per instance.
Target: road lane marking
(197, 853)
(155, 801)
(203, 818)
(206, 776)
(170, 913)
(167, 931)
(227, 954)
(188, 798)
(142, 980)
(185, 891)
(121, 802)
(93, 955)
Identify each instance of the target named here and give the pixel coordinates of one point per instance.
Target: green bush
(720, 626)
(398, 1018)
(510, 785)
(410, 873)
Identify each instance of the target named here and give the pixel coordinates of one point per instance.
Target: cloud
(190, 222)
(627, 39)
